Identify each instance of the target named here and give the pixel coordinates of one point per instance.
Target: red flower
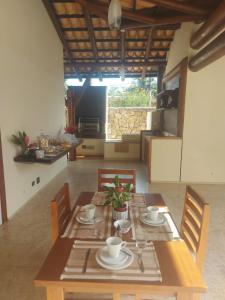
(70, 129)
(119, 189)
(26, 140)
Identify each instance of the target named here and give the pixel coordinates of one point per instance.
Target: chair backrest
(106, 177)
(60, 211)
(194, 225)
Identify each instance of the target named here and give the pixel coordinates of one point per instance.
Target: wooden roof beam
(122, 42)
(98, 7)
(150, 58)
(110, 75)
(181, 6)
(58, 29)
(132, 26)
(209, 54)
(74, 16)
(147, 52)
(159, 39)
(91, 32)
(134, 5)
(118, 64)
(119, 50)
(214, 24)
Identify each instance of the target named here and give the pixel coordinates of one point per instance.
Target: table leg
(55, 293)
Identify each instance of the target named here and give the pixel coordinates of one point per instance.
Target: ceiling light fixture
(114, 14)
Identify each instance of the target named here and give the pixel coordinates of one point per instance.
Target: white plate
(104, 256)
(81, 219)
(119, 266)
(160, 221)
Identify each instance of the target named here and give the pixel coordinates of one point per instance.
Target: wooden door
(3, 209)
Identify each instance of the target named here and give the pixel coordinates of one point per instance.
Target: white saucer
(146, 220)
(104, 256)
(81, 219)
(123, 261)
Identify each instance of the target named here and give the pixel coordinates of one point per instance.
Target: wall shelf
(48, 159)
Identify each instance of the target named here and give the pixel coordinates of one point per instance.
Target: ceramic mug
(89, 211)
(114, 245)
(153, 212)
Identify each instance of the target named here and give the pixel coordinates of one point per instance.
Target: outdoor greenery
(140, 93)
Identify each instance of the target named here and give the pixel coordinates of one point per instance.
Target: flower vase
(120, 213)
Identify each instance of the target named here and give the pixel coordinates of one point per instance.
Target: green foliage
(20, 139)
(118, 194)
(135, 95)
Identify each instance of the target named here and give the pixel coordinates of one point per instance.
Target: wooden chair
(194, 225)
(60, 211)
(106, 177)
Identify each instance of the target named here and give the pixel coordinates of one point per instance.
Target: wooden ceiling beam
(147, 52)
(118, 64)
(122, 41)
(209, 54)
(150, 58)
(161, 27)
(110, 75)
(134, 5)
(74, 16)
(214, 24)
(58, 29)
(137, 26)
(184, 7)
(98, 7)
(89, 25)
(118, 50)
(128, 40)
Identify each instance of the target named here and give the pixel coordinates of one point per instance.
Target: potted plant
(21, 140)
(118, 195)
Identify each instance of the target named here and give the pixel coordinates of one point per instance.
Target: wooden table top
(176, 264)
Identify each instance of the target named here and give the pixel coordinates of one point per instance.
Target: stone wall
(126, 120)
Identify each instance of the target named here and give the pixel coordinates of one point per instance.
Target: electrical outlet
(38, 180)
(33, 183)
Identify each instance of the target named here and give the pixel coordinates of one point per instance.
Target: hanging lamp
(114, 15)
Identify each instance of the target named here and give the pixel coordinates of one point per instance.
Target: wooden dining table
(180, 276)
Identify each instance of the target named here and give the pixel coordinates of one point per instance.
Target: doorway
(3, 209)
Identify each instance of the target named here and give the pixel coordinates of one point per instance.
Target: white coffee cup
(153, 212)
(89, 211)
(114, 245)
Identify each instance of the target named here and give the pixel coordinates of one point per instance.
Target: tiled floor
(25, 240)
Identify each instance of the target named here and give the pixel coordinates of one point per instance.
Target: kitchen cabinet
(163, 158)
(91, 147)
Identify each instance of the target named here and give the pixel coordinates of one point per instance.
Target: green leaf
(107, 202)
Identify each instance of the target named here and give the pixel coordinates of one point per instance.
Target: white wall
(180, 46)
(204, 122)
(31, 93)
